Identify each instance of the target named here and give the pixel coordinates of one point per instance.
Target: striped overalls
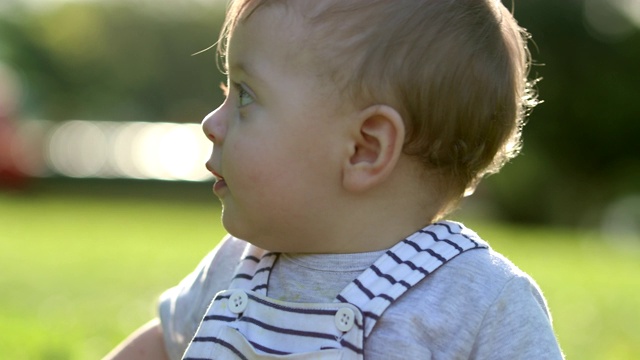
(243, 323)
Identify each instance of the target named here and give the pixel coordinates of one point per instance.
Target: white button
(238, 302)
(345, 319)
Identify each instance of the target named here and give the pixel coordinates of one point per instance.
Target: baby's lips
(213, 172)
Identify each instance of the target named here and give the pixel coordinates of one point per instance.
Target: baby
(349, 131)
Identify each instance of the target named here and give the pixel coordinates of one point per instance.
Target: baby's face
(278, 137)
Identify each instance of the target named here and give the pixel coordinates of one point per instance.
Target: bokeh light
(621, 222)
(136, 150)
(77, 149)
(612, 19)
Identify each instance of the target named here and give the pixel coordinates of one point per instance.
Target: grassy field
(81, 269)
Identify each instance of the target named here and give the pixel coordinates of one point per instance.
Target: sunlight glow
(630, 9)
(104, 149)
(612, 19)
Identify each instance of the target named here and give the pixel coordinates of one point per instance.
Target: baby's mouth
(218, 177)
(220, 183)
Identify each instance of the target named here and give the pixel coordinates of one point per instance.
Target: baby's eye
(244, 98)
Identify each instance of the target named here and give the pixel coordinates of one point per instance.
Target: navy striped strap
(254, 270)
(404, 265)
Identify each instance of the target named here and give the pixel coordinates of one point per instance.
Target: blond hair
(455, 69)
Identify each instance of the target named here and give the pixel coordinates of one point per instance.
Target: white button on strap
(345, 319)
(238, 302)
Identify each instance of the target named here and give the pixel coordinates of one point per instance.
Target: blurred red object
(11, 174)
(12, 147)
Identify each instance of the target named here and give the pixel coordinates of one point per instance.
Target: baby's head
(456, 70)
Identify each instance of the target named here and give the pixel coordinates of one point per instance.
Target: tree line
(131, 62)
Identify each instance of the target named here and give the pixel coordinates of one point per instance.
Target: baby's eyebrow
(242, 68)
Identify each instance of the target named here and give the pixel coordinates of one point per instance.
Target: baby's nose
(213, 126)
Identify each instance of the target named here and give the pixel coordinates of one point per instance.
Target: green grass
(78, 273)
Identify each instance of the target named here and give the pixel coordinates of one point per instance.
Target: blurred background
(102, 184)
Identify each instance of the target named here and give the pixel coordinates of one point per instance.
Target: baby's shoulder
(455, 301)
(480, 275)
(226, 255)
(483, 263)
(468, 286)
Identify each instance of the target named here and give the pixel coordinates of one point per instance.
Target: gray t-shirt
(477, 306)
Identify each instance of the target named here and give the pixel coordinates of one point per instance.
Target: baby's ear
(376, 145)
